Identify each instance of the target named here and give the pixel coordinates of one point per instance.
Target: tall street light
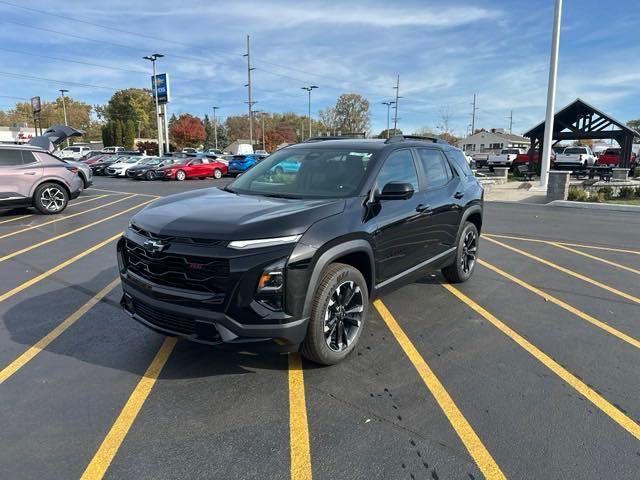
(308, 89)
(388, 104)
(64, 108)
(215, 126)
(152, 58)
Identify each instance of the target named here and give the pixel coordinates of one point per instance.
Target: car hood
(213, 213)
(143, 166)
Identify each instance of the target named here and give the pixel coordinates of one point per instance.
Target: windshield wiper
(227, 189)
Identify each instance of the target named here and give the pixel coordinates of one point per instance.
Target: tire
(85, 184)
(150, 175)
(181, 175)
(329, 302)
(50, 198)
(217, 174)
(278, 171)
(466, 256)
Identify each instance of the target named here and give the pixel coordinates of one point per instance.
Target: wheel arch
(50, 180)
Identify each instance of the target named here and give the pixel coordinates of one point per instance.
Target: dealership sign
(35, 104)
(162, 82)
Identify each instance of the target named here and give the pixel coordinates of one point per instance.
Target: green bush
(607, 192)
(636, 172)
(626, 192)
(638, 191)
(577, 195)
(596, 198)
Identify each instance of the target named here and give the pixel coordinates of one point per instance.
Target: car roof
(369, 143)
(13, 146)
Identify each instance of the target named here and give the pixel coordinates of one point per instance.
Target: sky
(444, 51)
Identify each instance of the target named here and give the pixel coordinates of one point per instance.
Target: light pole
(250, 101)
(152, 58)
(551, 96)
(395, 108)
(262, 126)
(308, 89)
(64, 109)
(215, 127)
(388, 104)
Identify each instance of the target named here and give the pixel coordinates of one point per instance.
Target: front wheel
(150, 175)
(466, 256)
(181, 175)
(50, 198)
(338, 311)
(217, 173)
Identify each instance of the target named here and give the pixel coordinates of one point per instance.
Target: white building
(494, 140)
(16, 134)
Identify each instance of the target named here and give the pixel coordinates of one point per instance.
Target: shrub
(626, 192)
(577, 195)
(607, 192)
(637, 193)
(636, 172)
(596, 198)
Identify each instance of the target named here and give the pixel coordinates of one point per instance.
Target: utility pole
(308, 89)
(64, 109)
(395, 108)
(551, 96)
(215, 127)
(511, 122)
(388, 104)
(250, 101)
(152, 58)
(262, 118)
(473, 116)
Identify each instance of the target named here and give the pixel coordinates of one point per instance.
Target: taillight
(72, 169)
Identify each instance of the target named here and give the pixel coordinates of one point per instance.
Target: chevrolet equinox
(289, 255)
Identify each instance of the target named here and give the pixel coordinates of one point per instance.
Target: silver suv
(31, 176)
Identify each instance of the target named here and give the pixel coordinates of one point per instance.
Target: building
(494, 140)
(239, 147)
(16, 134)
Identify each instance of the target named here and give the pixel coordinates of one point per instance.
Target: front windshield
(131, 160)
(150, 160)
(306, 173)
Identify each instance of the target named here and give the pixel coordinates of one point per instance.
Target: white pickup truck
(575, 157)
(505, 158)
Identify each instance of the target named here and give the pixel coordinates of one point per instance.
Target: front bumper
(210, 327)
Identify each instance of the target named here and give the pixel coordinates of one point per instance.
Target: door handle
(29, 173)
(422, 208)
(458, 195)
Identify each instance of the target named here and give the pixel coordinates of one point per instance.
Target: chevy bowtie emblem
(154, 246)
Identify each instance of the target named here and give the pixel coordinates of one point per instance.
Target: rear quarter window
(458, 159)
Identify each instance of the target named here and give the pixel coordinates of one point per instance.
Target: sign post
(160, 86)
(36, 107)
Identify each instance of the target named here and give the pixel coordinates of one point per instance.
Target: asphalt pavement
(527, 371)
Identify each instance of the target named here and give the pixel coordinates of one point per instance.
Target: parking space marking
(470, 439)
(71, 232)
(67, 217)
(590, 394)
(57, 268)
(107, 451)
(593, 257)
(126, 193)
(41, 344)
(577, 275)
(569, 308)
(568, 244)
(298, 425)
(95, 197)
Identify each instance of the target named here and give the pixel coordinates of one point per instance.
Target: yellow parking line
(593, 257)
(97, 197)
(470, 439)
(298, 426)
(94, 198)
(70, 232)
(67, 217)
(584, 278)
(111, 443)
(57, 268)
(579, 245)
(590, 394)
(41, 344)
(569, 308)
(126, 193)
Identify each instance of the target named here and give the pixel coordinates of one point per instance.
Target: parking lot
(529, 370)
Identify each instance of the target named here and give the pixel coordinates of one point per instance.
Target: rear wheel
(150, 175)
(466, 256)
(338, 311)
(181, 175)
(217, 173)
(50, 198)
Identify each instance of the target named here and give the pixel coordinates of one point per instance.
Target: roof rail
(321, 139)
(402, 138)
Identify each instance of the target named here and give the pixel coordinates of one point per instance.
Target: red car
(523, 158)
(192, 168)
(610, 157)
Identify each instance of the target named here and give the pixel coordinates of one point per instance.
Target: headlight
(272, 278)
(263, 242)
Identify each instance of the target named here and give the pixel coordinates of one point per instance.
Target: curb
(595, 206)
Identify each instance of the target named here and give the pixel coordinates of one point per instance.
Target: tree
(107, 135)
(187, 131)
(209, 141)
(129, 135)
(392, 132)
(117, 132)
(635, 124)
(352, 113)
(150, 147)
(135, 104)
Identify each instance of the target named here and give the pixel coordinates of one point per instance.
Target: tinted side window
(435, 166)
(398, 167)
(457, 157)
(197, 161)
(10, 157)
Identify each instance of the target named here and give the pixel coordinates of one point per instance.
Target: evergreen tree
(129, 135)
(118, 133)
(209, 141)
(107, 136)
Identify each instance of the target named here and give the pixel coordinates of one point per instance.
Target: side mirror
(396, 191)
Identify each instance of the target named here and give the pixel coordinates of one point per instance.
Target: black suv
(290, 254)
